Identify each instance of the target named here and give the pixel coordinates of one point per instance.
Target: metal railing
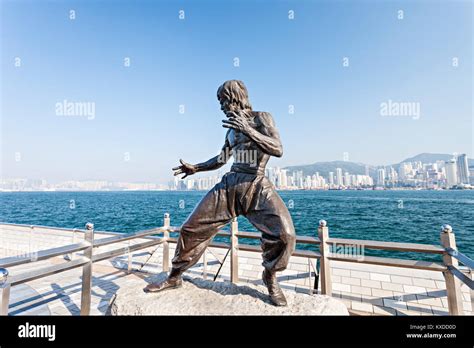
(327, 253)
(85, 261)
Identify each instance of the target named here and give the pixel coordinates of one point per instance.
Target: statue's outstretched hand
(184, 168)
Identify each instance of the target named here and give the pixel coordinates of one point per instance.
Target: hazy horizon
(210, 173)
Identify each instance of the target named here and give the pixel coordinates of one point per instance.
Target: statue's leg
(211, 214)
(271, 217)
(278, 234)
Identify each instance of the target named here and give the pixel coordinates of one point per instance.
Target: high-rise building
(392, 175)
(347, 179)
(354, 180)
(270, 172)
(381, 177)
(463, 169)
(331, 178)
(299, 179)
(284, 178)
(190, 184)
(405, 171)
(451, 173)
(339, 177)
(471, 172)
(307, 182)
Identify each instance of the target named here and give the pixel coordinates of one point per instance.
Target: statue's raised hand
(184, 168)
(237, 121)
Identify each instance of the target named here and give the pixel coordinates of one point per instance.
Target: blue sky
(283, 62)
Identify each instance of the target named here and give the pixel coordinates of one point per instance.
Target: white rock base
(205, 297)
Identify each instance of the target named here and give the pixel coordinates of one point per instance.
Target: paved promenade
(365, 289)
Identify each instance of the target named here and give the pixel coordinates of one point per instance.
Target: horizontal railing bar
(115, 252)
(464, 278)
(307, 253)
(63, 229)
(242, 234)
(212, 244)
(307, 240)
(248, 247)
(257, 248)
(461, 257)
(78, 262)
(42, 254)
(46, 271)
(41, 226)
(220, 245)
(117, 239)
(297, 252)
(385, 261)
(258, 235)
(413, 247)
(78, 230)
(372, 244)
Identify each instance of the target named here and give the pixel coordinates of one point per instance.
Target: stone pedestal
(205, 297)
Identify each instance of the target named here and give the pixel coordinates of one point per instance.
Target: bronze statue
(252, 138)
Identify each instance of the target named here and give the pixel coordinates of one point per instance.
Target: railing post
(166, 245)
(130, 260)
(453, 285)
(4, 292)
(234, 251)
(472, 291)
(30, 243)
(87, 271)
(69, 257)
(325, 270)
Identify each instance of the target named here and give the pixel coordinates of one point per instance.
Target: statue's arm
(217, 161)
(269, 139)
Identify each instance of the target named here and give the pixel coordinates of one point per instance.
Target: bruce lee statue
(244, 190)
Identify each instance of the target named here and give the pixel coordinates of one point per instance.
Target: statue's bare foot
(276, 294)
(169, 283)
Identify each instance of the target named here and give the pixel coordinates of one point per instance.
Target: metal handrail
(129, 236)
(7, 281)
(461, 276)
(468, 262)
(370, 244)
(391, 246)
(43, 255)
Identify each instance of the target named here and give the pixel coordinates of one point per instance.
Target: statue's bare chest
(236, 138)
(239, 140)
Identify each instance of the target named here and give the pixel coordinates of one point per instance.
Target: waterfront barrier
(329, 250)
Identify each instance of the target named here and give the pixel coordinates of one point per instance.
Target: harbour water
(399, 216)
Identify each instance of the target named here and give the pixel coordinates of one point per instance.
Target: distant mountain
(428, 158)
(359, 168)
(325, 167)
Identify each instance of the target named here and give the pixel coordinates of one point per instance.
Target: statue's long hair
(236, 92)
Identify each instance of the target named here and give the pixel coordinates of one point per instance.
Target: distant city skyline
(118, 91)
(439, 174)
